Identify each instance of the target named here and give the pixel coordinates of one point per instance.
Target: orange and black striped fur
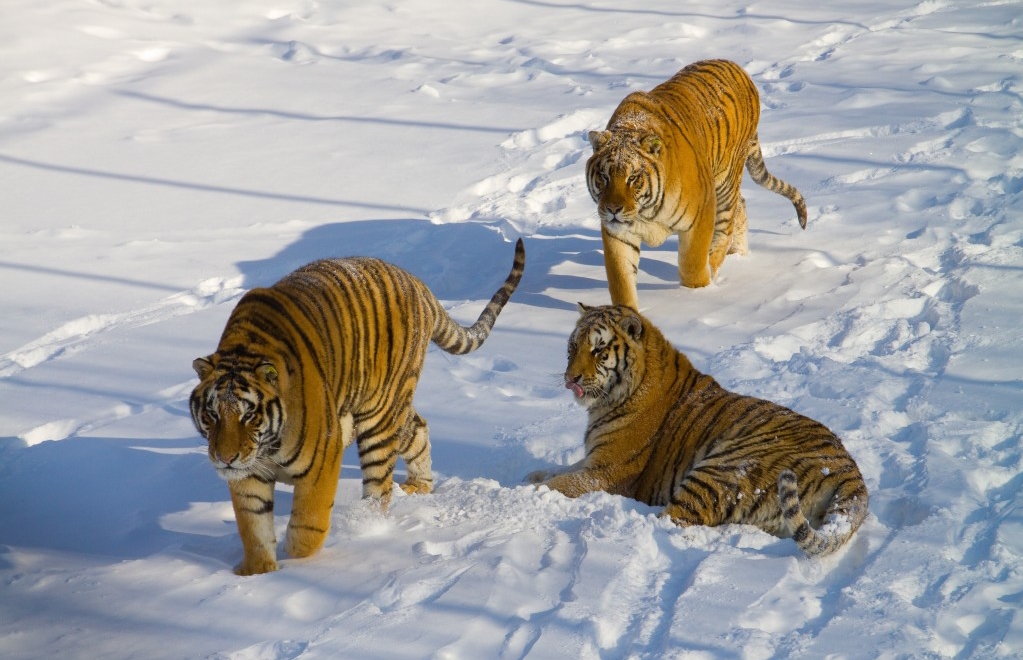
(328, 355)
(670, 162)
(663, 433)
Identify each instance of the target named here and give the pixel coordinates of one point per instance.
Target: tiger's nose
(227, 461)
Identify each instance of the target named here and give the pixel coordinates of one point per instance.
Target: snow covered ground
(158, 158)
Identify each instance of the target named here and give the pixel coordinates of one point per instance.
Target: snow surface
(158, 158)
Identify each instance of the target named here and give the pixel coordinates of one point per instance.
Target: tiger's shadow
(462, 261)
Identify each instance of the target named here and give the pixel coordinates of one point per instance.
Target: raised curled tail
(456, 339)
(758, 172)
(844, 516)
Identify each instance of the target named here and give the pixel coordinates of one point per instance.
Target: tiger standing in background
(328, 355)
(670, 162)
(663, 433)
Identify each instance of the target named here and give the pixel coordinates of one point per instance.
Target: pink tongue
(578, 391)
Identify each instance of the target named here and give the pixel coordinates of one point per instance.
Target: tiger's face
(622, 177)
(237, 408)
(603, 351)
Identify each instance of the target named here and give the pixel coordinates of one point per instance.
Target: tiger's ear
(202, 366)
(598, 139)
(632, 325)
(652, 144)
(267, 372)
(583, 308)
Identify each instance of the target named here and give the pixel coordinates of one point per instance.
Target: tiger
(661, 432)
(329, 355)
(670, 162)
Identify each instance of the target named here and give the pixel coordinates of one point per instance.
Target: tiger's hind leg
(314, 494)
(701, 498)
(416, 453)
(695, 270)
(729, 219)
(739, 244)
(380, 439)
(845, 513)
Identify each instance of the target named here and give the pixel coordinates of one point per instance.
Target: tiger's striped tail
(758, 172)
(459, 340)
(815, 542)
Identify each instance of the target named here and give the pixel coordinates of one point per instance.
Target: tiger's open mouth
(577, 390)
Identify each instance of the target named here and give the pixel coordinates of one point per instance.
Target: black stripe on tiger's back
(282, 325)
(389, 308)
(326, 310)
(706, 413)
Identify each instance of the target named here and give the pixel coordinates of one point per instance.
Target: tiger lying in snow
(663, 433)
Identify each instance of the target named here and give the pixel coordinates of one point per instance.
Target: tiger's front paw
(303, 542)
(678, 515)
(695, 280)
(256, 565)
(538, 477)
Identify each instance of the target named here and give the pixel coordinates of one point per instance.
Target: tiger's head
(624, 177)
(605, 355)
(237, 407)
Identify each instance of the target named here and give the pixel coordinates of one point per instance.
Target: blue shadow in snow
(458, 261)
(108, 497)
